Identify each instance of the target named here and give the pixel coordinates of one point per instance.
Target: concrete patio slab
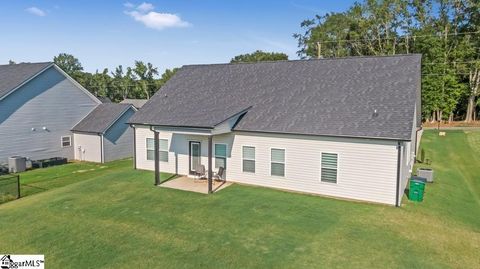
(189, 184)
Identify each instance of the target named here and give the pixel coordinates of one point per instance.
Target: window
(66, 141)
(277, 166)
(329, 167)
(248, 155)
(220, 155)
(163, 149)
(150, 149)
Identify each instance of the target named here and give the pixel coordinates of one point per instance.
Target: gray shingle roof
(335, 97)
(101, 118)
(12, 75)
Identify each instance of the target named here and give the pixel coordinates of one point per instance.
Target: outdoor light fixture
(33, 129)
(44, 128)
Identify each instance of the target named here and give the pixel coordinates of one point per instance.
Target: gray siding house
(39, 105)
(344, 127)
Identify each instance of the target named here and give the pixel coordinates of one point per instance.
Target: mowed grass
(118, 219)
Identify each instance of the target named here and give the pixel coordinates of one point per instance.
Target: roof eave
(328, 135)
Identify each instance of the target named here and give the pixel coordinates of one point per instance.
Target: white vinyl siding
(163, 149)
(277, 163)
(329, 167)
(88, 147)
(220, 155)
(367, 168)
(248, 162)
(66, 141)
(178, 149)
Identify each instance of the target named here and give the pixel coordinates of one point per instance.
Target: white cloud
(145, 7)
(36, 11)
(156, 20)
(128, 5)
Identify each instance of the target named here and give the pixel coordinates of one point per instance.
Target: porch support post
(157, 158)
(210, 168)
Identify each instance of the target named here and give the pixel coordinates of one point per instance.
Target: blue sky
(166, 33)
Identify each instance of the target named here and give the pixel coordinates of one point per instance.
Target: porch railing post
(157, 158)
(210, 168)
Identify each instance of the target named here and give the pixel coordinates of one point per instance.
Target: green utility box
(416, 189)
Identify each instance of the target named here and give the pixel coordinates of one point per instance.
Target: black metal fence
(9, 188)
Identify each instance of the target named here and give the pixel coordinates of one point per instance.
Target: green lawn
(116, 218)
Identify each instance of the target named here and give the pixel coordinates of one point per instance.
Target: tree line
(138, 82)
(445, 32)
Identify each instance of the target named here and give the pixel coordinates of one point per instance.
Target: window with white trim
(221, 155)
(277, 165)
(66, 141)
(329, 169)
(163, 149)
(248, 159)
(150, 149)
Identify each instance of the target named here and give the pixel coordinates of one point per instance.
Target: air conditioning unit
(17, 164)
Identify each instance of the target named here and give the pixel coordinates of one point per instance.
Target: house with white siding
(39, 106)
(343, 127)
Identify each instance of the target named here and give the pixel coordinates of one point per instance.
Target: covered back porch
(198, 156)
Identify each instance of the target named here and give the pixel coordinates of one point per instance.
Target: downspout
(416, 141)
(134, 146)
(399, 156)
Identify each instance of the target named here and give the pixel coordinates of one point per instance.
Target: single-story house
(343, 127)
(39, 105)
(104, 135)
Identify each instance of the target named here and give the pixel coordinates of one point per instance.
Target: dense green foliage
(114, 217)
(259, 56)
(445, 32)
(138, 82)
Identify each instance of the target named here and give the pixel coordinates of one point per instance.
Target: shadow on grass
(169, 178)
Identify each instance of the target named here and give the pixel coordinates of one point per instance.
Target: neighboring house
(39, 105)
(104, 135)
(138, 103)
(342, 127)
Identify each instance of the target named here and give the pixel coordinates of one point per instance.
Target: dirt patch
(83, 171)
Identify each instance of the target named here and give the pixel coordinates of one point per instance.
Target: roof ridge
(24, 63)
(312, 59)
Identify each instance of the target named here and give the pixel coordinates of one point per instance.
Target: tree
(138, 82)
(68, 63)
(100, 83)
(259, 56)
(11, 62)
(123, 84)
(437, 29)
(471, 56)
(145, 78)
